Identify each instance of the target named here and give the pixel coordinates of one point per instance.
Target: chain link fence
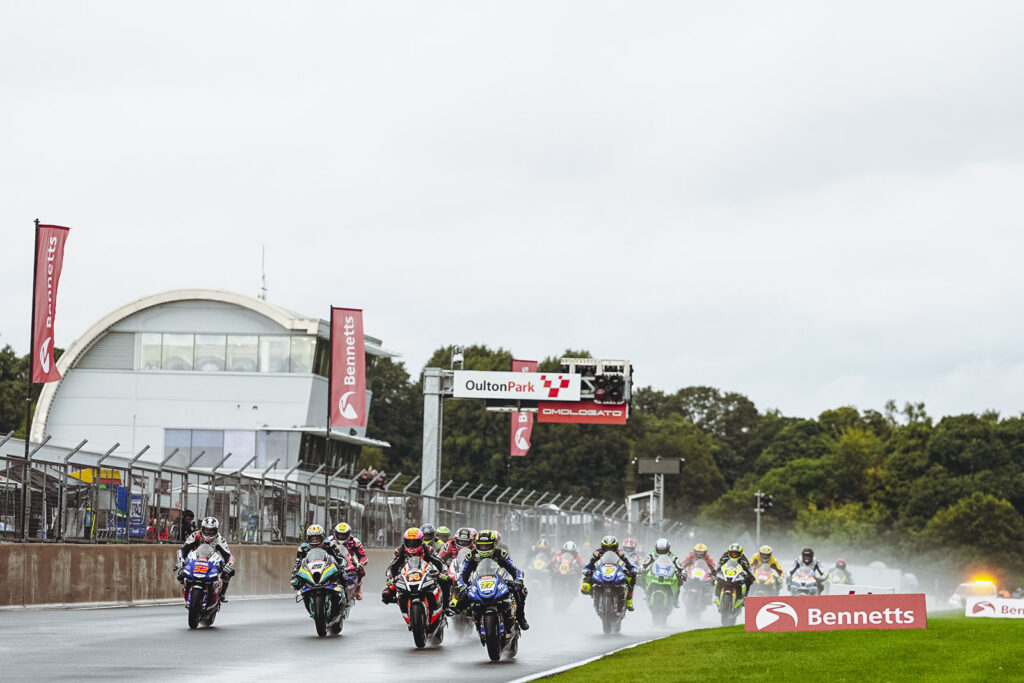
(75, 496)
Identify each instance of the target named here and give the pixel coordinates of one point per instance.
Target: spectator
(188, 525)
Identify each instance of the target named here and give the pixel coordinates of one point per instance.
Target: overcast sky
(814, 204)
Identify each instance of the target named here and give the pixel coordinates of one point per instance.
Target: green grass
(952, 648)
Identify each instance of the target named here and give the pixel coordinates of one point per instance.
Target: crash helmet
(209, 530)
(766, 553)
(629, 544)
(735, 551)
(841, 563)
(412, 539)
(609, 543)
(428, 532)
(443, 534)
(807, 555)
(486, 542)
(464, 537)
(542, 544)
(662, 546)
(700, 551)
(343, 532)
(315, 535)
(569, 547)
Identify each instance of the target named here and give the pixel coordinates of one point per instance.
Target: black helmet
(465, 536)
(807, 555)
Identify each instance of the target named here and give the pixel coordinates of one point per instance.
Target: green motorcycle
(661, 588)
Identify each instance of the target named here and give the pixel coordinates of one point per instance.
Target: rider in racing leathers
(316, 538)
(486, 548)
(765, 558)
(610, 544)
(344, 537)
(208, 533)
(735, 552)
(807, 561)
(412, 546)
(464, 538)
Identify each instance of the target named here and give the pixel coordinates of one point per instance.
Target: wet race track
(274, 639)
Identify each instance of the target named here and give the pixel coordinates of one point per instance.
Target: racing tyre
(418, 621)
(195, 606)
(491, 636)
(513, 647)
(320, 614)
(725, 607)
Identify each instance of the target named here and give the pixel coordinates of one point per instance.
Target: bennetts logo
(44, 355)
(984, 606)
(769, 614)
(346, 410)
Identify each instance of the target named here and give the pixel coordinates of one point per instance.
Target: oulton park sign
(516, 386)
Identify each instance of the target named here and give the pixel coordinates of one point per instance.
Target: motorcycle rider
(841, 567)
(567, 551)
(807, 561)
(208, 533)
(413, 546)
(735, 552)
(444, 534)
(316, 537)
(463, 538)
(430, 538)
(663, 547)
(486, 547)
(540, 547)
(344, 538)
(610, 544)
(630, 548)
(699, 553)
(764, 557)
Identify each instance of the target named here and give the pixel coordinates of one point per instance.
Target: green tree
(978, 527)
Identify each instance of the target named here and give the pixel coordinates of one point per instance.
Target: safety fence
(75, 496)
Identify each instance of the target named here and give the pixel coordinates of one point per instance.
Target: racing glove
(584, 588)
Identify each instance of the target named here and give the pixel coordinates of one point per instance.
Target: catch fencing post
(387, 486)
(413, 481)
(26, 485)
(489, 492)
(238, 495)
(540, 501)
(263, 499)
(128, 528)
(502, 495)
(441, 490)
(514, 496)
(64, 487)
(456, 494)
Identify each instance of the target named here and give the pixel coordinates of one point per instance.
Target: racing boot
(359, 591)
(629, 604)
(521, 616)
(224, 591)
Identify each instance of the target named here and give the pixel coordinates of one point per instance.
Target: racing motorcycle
(765, 582)
(493, 606)
(698, 588)
(461, 623)
(661, 586)
(202, 585)
(539, 566)
(323, 591)
(803, 582)
(419, 597)
(609, 591)
(839, 577)
(563, 580)
(731, 582)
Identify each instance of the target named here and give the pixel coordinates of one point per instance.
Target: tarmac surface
(274, 639)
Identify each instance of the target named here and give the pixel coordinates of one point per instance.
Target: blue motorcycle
(202, 585)
(494, 610)
(609, 590)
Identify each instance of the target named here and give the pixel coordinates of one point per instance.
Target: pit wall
(37, 574)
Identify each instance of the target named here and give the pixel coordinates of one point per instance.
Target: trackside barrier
(82, 496)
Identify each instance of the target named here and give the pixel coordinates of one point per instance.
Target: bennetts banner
(49, 261)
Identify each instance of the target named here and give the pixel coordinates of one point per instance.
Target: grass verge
(952, 648)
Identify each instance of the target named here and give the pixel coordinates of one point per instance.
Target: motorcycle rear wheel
(195, 606)
(418, 621)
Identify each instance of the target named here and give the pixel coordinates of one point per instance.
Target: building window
(243, 351)
(149, 358)
(274, 354)
(241, 445)
(210, 352)
(322, 359)
(302, 354)
(177, 352)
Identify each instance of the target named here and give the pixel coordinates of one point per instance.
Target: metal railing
(76, 496)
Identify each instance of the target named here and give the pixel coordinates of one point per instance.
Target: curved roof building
(207, 372)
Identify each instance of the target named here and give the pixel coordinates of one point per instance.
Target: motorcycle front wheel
(320, 614)
(195, 606)
(491, 637)
(418, 621)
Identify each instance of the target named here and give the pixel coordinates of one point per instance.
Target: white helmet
(568, 547)
(209, 530)
(662, 546)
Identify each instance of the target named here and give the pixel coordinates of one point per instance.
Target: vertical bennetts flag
(347, 393)
(522, 423)
(49, 260)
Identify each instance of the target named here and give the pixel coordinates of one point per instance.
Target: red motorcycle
(419, 597)
(698, 591)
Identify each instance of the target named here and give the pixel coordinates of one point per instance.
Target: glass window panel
(149, 359)
(302, 354)
(180, 439)
(210, 352)
(320, 362)
(211, 441)
(242, 353)
(274, 353)
(241, 445)
(177, 352)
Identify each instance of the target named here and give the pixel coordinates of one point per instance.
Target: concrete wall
(58, 574)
